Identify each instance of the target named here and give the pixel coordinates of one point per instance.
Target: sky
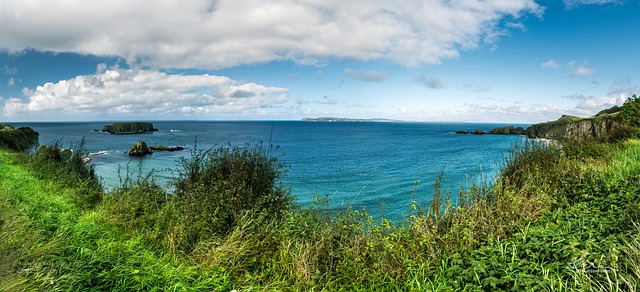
(503, 61)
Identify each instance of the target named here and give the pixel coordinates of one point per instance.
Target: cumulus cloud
(592, 105)
(550, 64)
(224, 33)
(431, 82)
(367, 76)
(135, 91)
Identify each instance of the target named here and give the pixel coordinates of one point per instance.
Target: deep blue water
(359, 164)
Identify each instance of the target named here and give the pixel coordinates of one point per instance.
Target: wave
(98, 153)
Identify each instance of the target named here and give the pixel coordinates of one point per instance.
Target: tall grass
(557, 217)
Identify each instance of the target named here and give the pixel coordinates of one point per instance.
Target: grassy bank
(558, 218)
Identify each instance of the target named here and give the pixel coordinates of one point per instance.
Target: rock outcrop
(21, 139)
(140, 149)
(508, 130)
(124, 128)
(165, 148)
(575, 128)
(599, 126)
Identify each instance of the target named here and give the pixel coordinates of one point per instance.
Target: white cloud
(623, 87)
(592, 105)
(570, 4)
(135, 91)
(550, 64)
(579, 70)
(11, 82)
(534, 113)
(431, 82)
(224, 33)
(10, 70)
(367, 76)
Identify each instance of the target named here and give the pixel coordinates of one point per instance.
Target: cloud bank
(225, 33)
(146, 92)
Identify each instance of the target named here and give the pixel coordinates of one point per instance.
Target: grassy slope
(47, 243)
(556, 221)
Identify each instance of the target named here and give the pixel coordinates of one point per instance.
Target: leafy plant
(631, 111)
(217, 187)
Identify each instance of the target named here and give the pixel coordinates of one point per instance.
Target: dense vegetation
(21, 139)
(559, 217)
(122, 128)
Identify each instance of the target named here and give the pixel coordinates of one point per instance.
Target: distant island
(334, 119)
(604, 124)
(125, 128)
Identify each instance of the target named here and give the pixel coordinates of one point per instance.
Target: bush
(631, 111)
(71, 167)
(217, 187)
(21, 139)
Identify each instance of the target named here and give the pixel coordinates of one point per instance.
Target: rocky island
(140, 149)
(125, 128)
(600, 126)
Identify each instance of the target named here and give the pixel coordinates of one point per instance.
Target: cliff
(21, 139)
(605, 124)
(566, 127)
(123, 128)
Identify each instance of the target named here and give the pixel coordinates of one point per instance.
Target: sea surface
(380, 166)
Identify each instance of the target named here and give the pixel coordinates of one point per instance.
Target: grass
(557, 218)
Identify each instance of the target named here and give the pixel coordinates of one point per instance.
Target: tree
(630, 112)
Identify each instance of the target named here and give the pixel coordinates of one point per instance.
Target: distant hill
(334, 119)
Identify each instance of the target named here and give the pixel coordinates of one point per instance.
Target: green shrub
(21, 139)
(631, 111)
(216, 187)
(71, 167)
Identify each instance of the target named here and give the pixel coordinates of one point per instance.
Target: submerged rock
(462, 132)
(139, 149)
(165, 148)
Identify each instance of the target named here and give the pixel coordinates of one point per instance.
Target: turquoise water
(363, 164)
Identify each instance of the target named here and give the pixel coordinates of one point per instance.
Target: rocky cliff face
(605, 124)
(573, 128)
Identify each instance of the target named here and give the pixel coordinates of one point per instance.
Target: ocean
(380, 166)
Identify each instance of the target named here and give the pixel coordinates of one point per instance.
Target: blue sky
(513, 61)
